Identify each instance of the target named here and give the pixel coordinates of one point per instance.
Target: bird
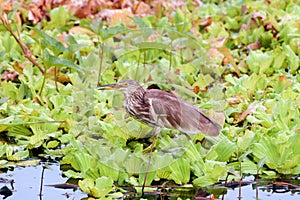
(161, 109)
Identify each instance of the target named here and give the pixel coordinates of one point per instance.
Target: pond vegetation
(237, 60)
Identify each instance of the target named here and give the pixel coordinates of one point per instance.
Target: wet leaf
(20, 155)
(103, 186)
(212, 172)
(98, 188)
(28, 163)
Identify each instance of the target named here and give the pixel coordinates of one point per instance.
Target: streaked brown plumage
(162, 109)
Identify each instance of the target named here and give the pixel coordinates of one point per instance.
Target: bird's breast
(139, 110)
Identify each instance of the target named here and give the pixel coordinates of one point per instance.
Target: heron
(161, 109)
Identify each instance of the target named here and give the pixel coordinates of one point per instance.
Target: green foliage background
(255, 86)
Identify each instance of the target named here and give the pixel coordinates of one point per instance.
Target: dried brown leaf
(114, 17)
(249, 111)
(254, 46)
(142, 9)
(205, 22)
(9, 75)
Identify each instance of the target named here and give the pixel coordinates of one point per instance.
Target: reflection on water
(266, 190)
(24, 183)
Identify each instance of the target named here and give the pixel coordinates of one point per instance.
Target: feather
(176, 113)
(162, 109)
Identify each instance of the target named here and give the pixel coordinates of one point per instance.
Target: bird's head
(126, 86)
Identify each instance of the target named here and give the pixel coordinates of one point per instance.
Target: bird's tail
(213, 129)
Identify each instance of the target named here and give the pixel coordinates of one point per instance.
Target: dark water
(264, 193)
(27, 186)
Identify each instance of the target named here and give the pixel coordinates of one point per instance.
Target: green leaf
(50, 42)
(52, 144)
(150, 176)
(184, 90)
(3, 150)
(18, 131)
(180, 21)
(100, 188)
(193, 152)
(72, 174)
(104, 185)
(279, 59)
(213, 171)
(133, 164)
(261, 162)
(292, 58)
(109, 32)
(295, 141)
(20, 155)
(203, 81)
(5, 122)
(245, 140)
(50, 60)
(109, 169)
(266, 148)
(3, 163)
(86, 185)
(258, 62)
(10, 91)
(222, 151)
(180, 171)
(203, 181)
(249, 166)
(278, 154)
(187, 68)
(152, 45)
(266, 39)
(142, 24)
(59, 16)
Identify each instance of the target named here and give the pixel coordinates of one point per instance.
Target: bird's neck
(135, 97)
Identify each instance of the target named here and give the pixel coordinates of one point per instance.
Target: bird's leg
(153, 144)
(186, 135)
(156, 132)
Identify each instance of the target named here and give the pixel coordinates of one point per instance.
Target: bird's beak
(108, 87)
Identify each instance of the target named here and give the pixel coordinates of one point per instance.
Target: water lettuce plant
(239, 60)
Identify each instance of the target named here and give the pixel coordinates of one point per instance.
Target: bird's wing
(170, 111)
(162, 106)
